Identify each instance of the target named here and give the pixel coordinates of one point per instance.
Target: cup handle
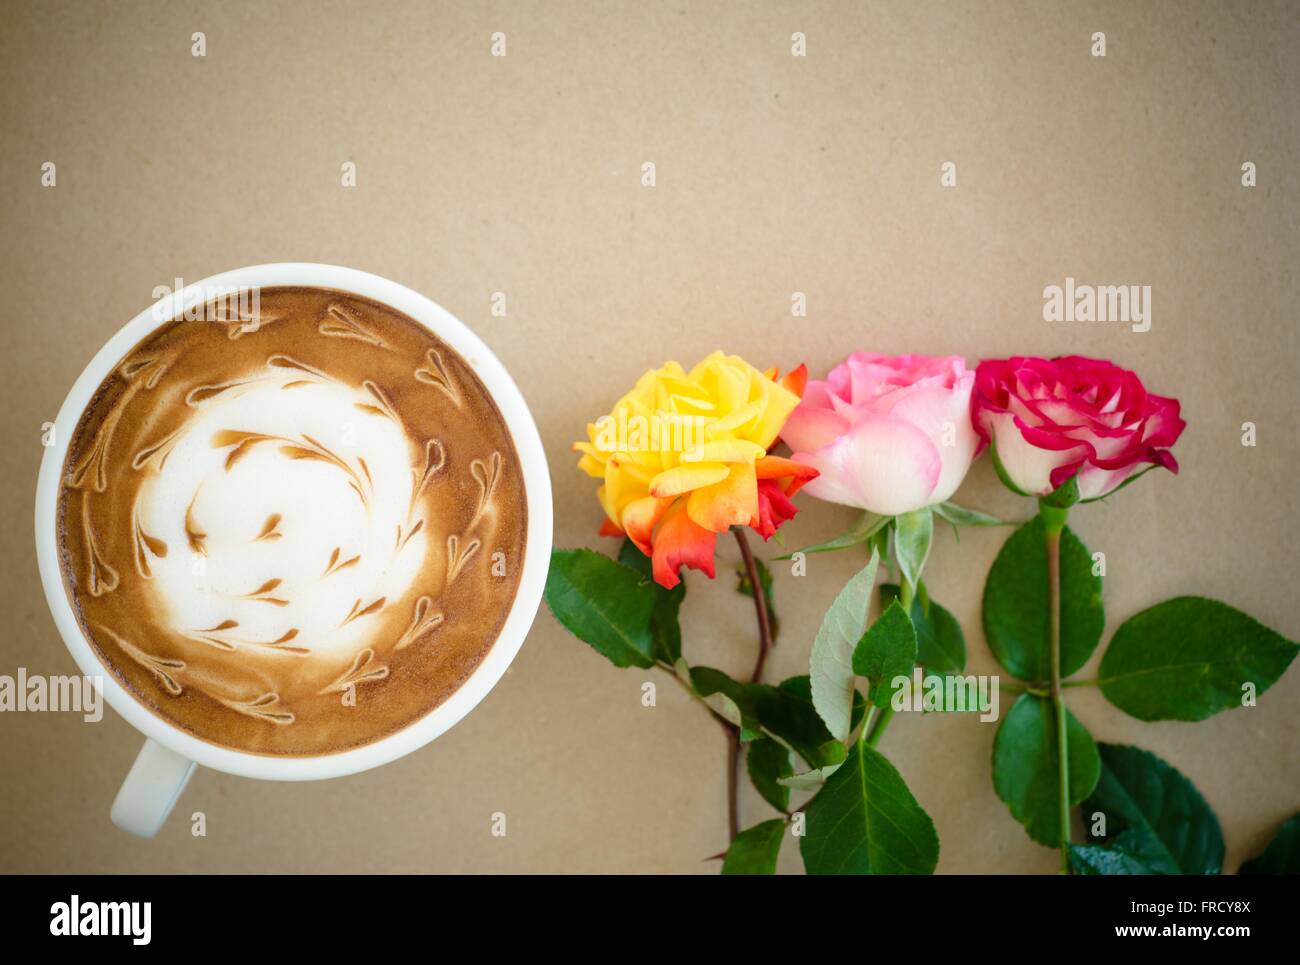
(151, 789)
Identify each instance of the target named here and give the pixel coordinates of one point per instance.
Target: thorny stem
(760, 604)
(764, 645)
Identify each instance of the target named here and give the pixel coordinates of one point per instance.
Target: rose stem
(732, 733)
(1054, 521)
(760, 603)
(764, 645)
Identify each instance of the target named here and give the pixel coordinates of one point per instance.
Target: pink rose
(890, 434)
(1051, 420)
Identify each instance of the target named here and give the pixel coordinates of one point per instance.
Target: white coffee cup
(169, 755)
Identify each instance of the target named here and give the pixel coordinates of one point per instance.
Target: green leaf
(831, 666)
(764, 577)
(603, 604)
(767, 762)
(630, 555)
(812, 780)
(1117, 859)
(913, 534)
(783, 713)
(737, 704)
(1153, 815)
(832, 753)
(664, 625)
(879, 542)
(1282, 856)
(887, 650)
(1188, 658)
(1016, 613)
(755, 850)
(961, 516)
(866, 821)
(861, 531)
(1025, 773)
(940, 643)
(727, 708)
(789, 715)
(801, 687)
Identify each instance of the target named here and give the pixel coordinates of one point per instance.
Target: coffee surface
(296, 534)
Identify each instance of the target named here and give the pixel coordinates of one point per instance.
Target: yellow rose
(684, 456)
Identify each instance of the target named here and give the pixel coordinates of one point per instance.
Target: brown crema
(293, 534)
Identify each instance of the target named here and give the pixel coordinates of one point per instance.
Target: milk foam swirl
(290, 499)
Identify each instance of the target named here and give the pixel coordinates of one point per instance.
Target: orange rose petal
(679, 542)
(795, 381)
(640, 517)
(776, 467)
(731, 502)
(792, 475)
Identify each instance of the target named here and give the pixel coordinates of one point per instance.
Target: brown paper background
(775, 174)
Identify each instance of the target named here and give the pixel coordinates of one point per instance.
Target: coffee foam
(296, 516)
(293, 553)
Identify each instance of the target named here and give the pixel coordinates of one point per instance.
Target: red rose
(1049, 421)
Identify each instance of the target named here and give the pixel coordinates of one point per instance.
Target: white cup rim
(537, 484)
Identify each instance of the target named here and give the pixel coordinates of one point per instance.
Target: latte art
(296, 538)
(303, 526)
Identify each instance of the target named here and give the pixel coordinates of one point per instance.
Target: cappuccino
(295, 534)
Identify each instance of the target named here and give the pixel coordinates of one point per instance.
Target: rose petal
(683, 479)
(731, 502)
(774, 508)
(1028, 466)
(810, 428)
(790, 474)
(1095, 482)
(680, 542)
(640, 518)
(943, 414)
(883, 464)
